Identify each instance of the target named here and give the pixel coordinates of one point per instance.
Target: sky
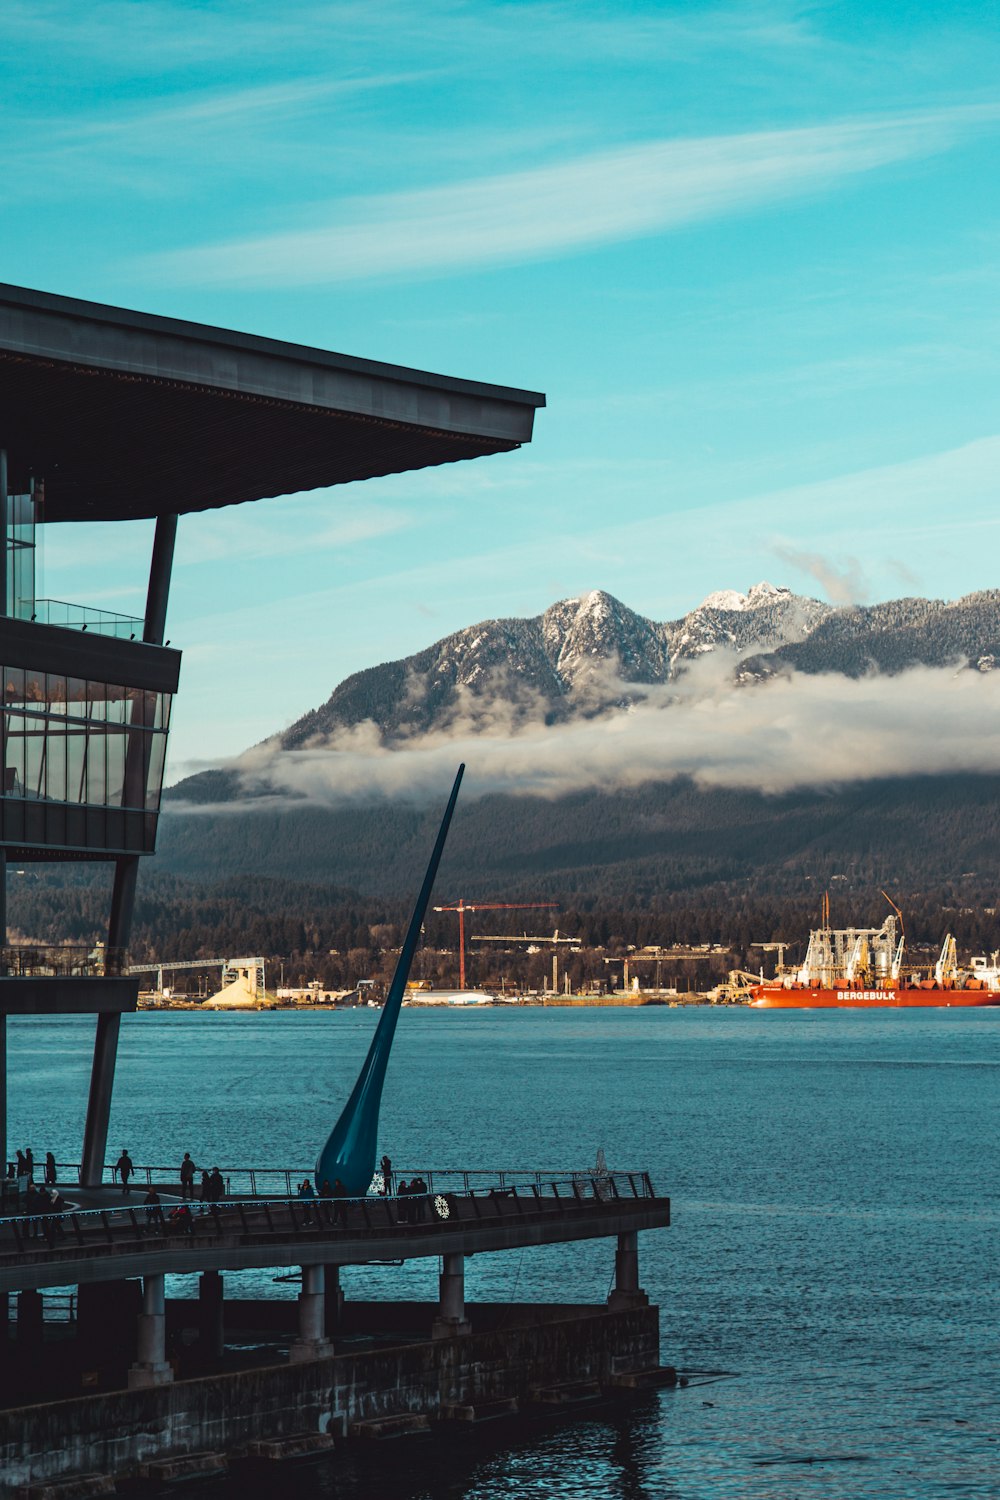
(749, 252)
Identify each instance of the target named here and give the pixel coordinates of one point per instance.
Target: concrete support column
(451, 1319)
(211, 1314)
(30, 1321)
(334, 1296)
(627, 1291)
(151, 1367)
(312, 1342)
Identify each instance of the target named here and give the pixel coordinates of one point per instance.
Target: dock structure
(135, 1379)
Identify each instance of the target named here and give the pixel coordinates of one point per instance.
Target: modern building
(109, 415)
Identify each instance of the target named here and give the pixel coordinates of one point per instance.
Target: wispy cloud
(845, 584)
(799, 731)
(217, 108)
(592, 200)
(304, 525)
(162, 33)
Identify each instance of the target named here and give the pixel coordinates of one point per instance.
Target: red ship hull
(776, 997)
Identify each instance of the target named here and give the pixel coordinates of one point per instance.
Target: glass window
(68, 740)
(13, 776)
(97, 770)
(55, 692)
(76, 766)
(76, 698)
(118, 702)
(55, 765)
(13, 691)
(116, 743)
(154, 778)
(34, 756)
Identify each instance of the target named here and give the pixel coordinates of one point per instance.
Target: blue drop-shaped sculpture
(351, 1151)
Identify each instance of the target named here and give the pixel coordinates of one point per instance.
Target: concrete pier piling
(451, 1320)
(151, 1367)
(211, 1315)
(626, 1291)
(312, 1342)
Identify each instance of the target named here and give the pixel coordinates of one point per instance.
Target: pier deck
(116, 1241)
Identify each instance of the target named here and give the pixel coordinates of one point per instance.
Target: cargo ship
(862, 968)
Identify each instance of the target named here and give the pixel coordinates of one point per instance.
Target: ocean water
(835, 1241)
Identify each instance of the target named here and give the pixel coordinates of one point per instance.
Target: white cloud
(593, 200)
(801, 731)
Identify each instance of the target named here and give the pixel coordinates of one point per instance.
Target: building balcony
(85, 720)
(80, 617)
(62, 961)
(64, 979)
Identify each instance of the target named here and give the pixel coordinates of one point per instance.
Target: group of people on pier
(42, 1203)
(21, 1188)
(39, 1202)
(211, 1189)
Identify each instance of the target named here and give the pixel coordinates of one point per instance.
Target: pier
(134, 1379)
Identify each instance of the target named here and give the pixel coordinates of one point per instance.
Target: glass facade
(71, 740)
(21, 556)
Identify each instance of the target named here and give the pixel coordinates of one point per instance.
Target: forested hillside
(626, 848)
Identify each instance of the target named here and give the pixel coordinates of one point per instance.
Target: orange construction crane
(464, 906)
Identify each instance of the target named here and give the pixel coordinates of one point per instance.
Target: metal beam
(102, 1073)
(159, 580)
(102, 1078)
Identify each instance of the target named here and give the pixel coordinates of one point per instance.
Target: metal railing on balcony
(61, 961)
(259, 1220)
(83, 617)
(284, 1182)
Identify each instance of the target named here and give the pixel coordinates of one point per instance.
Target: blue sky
(749, 252)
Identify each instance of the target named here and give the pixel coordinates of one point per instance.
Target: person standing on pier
(50, 1169)
(386, 1166)
(154, 1213)
(125, 1169)
(29, 1162)
(187, 1176)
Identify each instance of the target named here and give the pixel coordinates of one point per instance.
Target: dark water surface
(836, 1214)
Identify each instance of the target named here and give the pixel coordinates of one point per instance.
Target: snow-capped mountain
(572, 659)
(580, 658)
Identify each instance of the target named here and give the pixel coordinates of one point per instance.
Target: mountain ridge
(589, 655)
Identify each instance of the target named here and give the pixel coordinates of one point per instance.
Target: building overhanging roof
(128, 415)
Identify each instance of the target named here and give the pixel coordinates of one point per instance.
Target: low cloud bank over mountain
(766, 691)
